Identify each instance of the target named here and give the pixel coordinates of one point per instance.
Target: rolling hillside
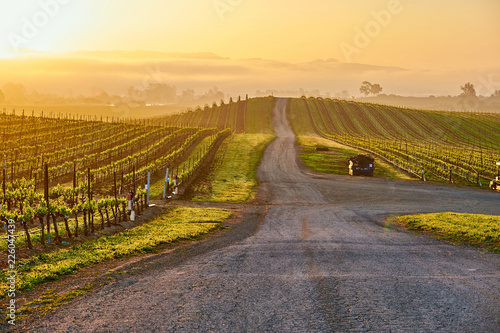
(243, 116)
(456, 146)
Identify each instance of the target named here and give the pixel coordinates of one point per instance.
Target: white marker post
(147, 188)
(165, 185)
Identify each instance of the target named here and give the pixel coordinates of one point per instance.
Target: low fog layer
(199, 78)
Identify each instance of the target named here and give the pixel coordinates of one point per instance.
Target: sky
(448, 40)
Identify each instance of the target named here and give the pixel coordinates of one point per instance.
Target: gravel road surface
(323, 260)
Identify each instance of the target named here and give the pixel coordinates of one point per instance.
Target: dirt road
(322, 260)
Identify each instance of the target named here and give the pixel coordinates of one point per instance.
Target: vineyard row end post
(148, 186)
(165, 186)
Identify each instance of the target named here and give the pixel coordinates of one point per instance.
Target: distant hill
(438, 103)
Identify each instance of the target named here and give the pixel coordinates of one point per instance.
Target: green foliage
(243, 116)
(157, 164)
(48, 302)
(235, 178)
(462, 228)
(190, 163)
(259, 115)
(299, 118)
(336, 159)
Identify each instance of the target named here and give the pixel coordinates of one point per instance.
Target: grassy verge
(336, 159)
(234, 179)
(48, 302)
(468, 229)
(176, 224)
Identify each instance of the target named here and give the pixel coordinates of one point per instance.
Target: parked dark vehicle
(495, 184)
(361, 165)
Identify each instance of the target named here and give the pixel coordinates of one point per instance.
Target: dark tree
(368, 88)
(365, 88)
(376, 89)
(468, 90)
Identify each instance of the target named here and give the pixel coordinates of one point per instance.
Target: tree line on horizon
(17, 94)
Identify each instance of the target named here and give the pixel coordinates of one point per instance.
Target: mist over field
(179, 81)
(71, 74)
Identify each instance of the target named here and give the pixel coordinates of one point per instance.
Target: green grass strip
(48, 302)
(235, 178)
(336, 159)
(460, 228)
(177, 224)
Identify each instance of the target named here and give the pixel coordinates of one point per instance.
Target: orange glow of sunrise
(423, 39)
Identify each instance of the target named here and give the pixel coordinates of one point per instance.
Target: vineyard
(243, 116)
(66, 176)
(62, 177)
(446, 146)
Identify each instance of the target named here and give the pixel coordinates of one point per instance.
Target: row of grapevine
(86, 168)
(432, 145)
(243, 116)
(61, 208)
(68, 212)
(111, 147)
